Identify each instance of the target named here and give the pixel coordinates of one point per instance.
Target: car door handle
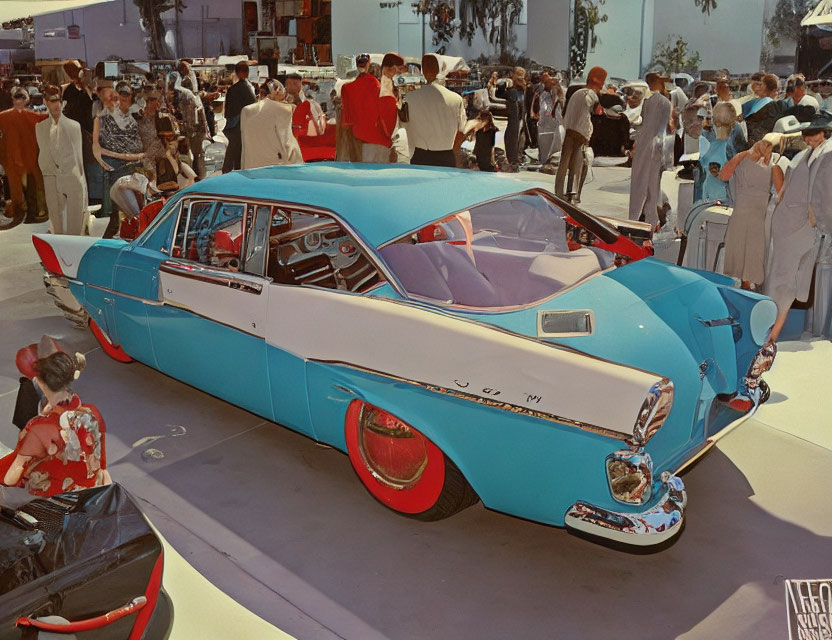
(213, 276)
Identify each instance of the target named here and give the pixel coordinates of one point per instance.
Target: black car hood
(89, 552)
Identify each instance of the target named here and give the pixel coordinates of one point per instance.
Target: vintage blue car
(442, 328)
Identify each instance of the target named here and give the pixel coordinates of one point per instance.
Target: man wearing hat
(20, 157)
(802, 221)
(77, 97)
(61, 160)
(239, 95)
(578, 124)
(436, 119)
(648, 151)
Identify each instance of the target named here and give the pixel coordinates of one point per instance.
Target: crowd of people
(98, 141)
(118, 143)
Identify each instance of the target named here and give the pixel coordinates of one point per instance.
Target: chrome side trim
(642, 529)
(223, 278)
(489, 402)
(155, 303)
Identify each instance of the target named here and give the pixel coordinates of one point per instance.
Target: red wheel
(116, 353)
(401, 468)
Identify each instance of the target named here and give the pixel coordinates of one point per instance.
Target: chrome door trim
(228, 279)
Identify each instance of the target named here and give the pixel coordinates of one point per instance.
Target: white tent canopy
(820, 15)
(15, 9)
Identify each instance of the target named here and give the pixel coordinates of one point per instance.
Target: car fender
(425, 348)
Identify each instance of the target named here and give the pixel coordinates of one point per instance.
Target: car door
(309, 251)
(209, 330)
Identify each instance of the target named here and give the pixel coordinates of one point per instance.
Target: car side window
(258, 223)
(210, 233)
(313, 249)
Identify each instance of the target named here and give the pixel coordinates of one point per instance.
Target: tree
(495, 18)
(441, 18)
(150, 12)
(673, 55)
(587, 16)
(785, 23)
(706, 5)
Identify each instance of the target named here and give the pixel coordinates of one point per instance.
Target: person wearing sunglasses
(61, 159)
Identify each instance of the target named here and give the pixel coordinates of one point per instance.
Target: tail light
(630, 476)
(47, 256)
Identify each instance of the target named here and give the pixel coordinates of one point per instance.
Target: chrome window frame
(369, 251)
(536, 191)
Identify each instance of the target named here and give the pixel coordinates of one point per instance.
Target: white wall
(548, 32)
(221, 29)
(729, 38)
(361, 26)
(104, 32)
(113, 29)
(617, 50)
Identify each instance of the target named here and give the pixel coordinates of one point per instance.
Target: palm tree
(495, 18)
(151, 12)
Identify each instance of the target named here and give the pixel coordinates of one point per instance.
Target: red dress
(66, 446)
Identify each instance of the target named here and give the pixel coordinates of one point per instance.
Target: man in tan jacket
(267, 131)
(61, 161)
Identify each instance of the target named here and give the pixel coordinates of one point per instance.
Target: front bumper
(646, 528)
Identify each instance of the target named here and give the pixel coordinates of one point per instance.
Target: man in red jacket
(360, 112)
(19, 157)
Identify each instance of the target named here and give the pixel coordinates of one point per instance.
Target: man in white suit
(267, 131)
(61, 160)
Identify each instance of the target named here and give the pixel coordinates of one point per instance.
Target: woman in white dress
(752, 174)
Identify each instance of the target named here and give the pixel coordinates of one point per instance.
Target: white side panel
(69, 249)
(461, 356)
(239, 309)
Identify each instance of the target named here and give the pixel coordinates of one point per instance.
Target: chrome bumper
(58, 288)
(654, 526)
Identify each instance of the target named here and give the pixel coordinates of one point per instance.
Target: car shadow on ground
(302, 508)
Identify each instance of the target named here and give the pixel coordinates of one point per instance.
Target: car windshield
(503, 253)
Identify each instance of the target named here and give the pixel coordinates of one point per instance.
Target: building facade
(731, 37)
(112, 30)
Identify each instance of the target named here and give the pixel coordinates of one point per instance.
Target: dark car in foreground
(89, 557)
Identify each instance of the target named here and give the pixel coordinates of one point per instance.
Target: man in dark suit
(239, 95)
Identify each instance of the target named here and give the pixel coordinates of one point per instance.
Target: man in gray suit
(801, 223)
(61, 161)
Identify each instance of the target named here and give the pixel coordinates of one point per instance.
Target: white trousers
(66, 201)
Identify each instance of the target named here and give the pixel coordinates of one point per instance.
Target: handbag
(404, 112)
(27, 403)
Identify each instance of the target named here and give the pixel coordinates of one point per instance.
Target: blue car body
(692, 328)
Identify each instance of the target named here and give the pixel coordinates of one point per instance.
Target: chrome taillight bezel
(654, 411)
(630, 476)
